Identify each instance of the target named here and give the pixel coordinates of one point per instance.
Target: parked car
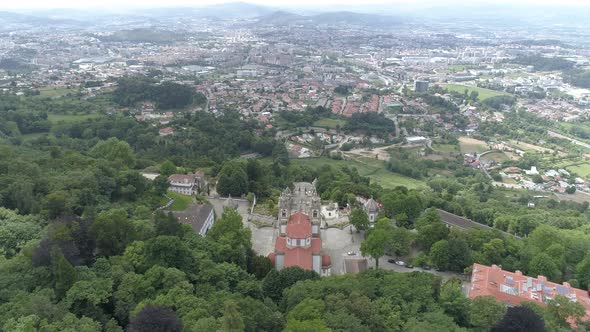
(391, 260)
(426, 267)
(409, 266)
(351, 253)
(400, 263)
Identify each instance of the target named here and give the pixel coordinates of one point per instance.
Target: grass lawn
(181, 202)
(470, 145)
(483, 93)
(460, 67)
(374, 169)
(496, 156)
(509, 181)
(55, 118)
(445, 148)
(29, 137)
(54, 91)
(329, 123)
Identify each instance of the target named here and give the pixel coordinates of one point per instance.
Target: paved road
(337, 242)
(263, 239)
(384, 264)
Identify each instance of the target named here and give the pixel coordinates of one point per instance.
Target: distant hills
(371, 15)
(332, 18)
(16, 18)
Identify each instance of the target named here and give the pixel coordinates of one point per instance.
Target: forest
(82, 249)
(577, 77)
(542, 63)
(166, 95)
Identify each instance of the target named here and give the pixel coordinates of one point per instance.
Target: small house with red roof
(298, 247)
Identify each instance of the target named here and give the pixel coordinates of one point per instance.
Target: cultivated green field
(470, 145)
(445, 147)
(329, 123)
(496, 156)
(54, 92)
(583, 170)
(374, 169)
(55, 118)
(483, 93)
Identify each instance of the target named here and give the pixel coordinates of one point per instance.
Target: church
(299, 221)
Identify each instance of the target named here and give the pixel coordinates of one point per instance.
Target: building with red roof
(298, 247)
(513, 288)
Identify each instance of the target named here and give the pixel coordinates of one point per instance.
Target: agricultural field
(374, 169)
(449, 148)
(496, 156)
(483, 93)
(30, 137)
(529, 147)
(471, 145)
(55, 118)
(329, 123)
(55, 91)
(581, 169)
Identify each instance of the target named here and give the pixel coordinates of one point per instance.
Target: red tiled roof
(298, 256)
(514, 288)
(299, 226)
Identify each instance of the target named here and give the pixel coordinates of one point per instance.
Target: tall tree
(543, 264)
(453, 302)
(116, 151)
(399, 241)
(156, 319)
(232, 238)
(583, 272)
(276, 282)
(113, 231)
(359, 219)
(232, 180)
(167, 168)
(232, 320)
(485, 311)
(374, 244)
(563, 309)
(439, 254)
(520, 319)
(166, 224)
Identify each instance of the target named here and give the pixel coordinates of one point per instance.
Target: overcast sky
(106, 4)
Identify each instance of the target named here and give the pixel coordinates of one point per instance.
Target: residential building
(298, 247)
(199, 216)
(513, 288)
(185, 184)
(166, 131)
